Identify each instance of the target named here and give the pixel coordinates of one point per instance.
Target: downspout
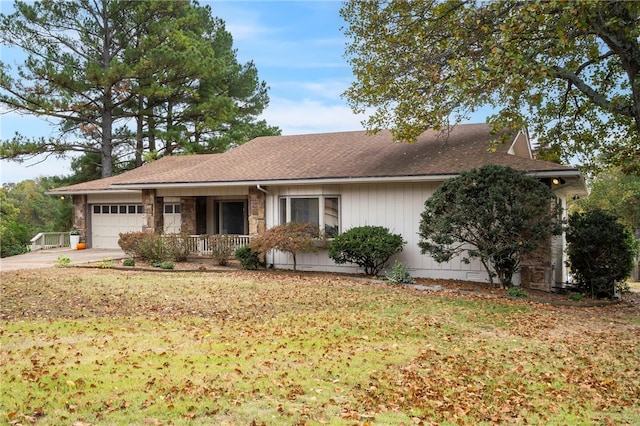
(261, 189)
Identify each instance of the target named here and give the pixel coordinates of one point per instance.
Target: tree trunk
(106, 148)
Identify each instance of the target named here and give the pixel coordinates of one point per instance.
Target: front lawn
(99, 346)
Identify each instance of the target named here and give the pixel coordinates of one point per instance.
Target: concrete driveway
(48, 258)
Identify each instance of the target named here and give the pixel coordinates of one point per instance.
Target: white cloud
(308, 116)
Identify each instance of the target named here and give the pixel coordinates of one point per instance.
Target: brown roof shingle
(337, 156)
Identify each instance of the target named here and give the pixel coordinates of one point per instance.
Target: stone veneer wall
(188, 215)
(257, 202)
(79, 219)
(536, 272)
(153, 213)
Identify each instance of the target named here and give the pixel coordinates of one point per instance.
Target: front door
(233, 218)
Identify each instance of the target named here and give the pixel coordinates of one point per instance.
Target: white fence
(204, 245)
(47, 240)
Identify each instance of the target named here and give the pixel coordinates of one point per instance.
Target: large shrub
(600, 252)
(291, 238)
(493, 213)
(155, 247)
(369, 247)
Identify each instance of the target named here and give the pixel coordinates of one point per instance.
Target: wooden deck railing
(203, 245)
(47, 240)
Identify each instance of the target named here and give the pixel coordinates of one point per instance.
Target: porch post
(188, 215)
(79, 220)
(257, 204)
(153, 214)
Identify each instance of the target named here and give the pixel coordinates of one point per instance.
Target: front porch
(238, 212)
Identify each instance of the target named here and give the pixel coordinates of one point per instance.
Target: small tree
(493, 213)
(291, 237)
(369, 247)
(600, 252)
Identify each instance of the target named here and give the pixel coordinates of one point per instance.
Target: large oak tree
(124, 79)
(568, 70)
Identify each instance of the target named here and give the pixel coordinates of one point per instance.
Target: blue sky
(298, 49)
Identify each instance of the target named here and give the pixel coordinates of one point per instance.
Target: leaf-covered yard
(99, 346)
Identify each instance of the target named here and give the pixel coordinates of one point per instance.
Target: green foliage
(221, 247)
(399, 274)
(26, 209)
(63, 261)
(615, 192)
(164, 265)
(495, 214)
(248, 258)
(189, 94)
(129, 262)
(600, 252)
(291, 238)
(577, 297)
(369, 247)
(106, 263)
(517, 293)
(569, 74)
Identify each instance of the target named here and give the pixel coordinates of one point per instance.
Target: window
(117, 209)
(323, 211)
(172, 208)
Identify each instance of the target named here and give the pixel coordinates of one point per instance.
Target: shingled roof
(338, 156)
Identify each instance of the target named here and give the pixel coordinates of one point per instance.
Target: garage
(109, 220)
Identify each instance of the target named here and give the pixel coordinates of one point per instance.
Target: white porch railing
(203, 245)
(47, 240)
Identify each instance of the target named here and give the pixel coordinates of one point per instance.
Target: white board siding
(396, 206)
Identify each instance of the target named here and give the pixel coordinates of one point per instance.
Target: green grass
(112, 347)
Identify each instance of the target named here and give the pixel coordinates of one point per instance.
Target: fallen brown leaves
(101, 346)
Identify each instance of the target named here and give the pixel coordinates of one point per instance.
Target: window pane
(331, 216)
(176, 208)
(132, 209)
(96, 209)
(283, 211)
(123, 209)
(305, 210)
(168, 208)
(114, 209)
(105, 209)
(139, 209)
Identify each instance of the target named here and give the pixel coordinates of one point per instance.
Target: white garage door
(109, 220)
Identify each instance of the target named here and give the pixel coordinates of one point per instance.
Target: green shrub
(248, 258)
(63, 261)
(600, 252)
(517, 292)
(399, 274)
(163, 265)
(107, 263)
(129, 262)
(576, 297)
(369, 247)
(221, 247)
